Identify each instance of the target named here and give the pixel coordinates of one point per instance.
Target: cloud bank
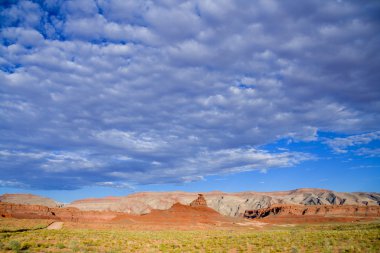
(117, 93)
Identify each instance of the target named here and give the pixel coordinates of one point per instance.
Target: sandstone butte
(200, 201)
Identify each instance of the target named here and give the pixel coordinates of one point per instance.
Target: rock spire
(200, 201)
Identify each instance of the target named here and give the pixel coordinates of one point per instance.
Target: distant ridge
(28, 199)
(228, 204)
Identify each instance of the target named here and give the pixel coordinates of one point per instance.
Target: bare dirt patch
(55, 225)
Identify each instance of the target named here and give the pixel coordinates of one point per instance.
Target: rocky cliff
(229, 204)
(9, 210)
(320, 210)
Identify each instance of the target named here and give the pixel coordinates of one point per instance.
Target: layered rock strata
(320, 210)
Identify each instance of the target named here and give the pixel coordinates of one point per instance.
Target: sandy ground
(55, 226)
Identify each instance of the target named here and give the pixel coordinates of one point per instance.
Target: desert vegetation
(361, 237)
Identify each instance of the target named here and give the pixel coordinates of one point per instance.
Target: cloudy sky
(108, 97)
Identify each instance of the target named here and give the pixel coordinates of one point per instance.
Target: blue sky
(112, 97)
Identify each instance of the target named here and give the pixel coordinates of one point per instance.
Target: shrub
(25, 246)
(15, 245)
(61, 246)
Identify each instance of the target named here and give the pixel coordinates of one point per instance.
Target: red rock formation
(200, 201)
(183, 215)
(320, 210)
(63, 214)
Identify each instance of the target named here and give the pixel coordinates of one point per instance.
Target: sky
(111, 97)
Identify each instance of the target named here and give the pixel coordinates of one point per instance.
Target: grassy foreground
(13, 225)
(311, 238)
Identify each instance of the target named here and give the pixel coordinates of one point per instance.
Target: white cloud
(12, 183)
(342, 144)
(247, 159)
(118, 185)
(129, 140)
(189, 179)
(24, 37)
(368, 152)
(54, 161)
(68, 162)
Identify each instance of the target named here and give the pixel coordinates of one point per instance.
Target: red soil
(183, 214)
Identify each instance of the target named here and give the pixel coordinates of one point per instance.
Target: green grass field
(303, 238)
